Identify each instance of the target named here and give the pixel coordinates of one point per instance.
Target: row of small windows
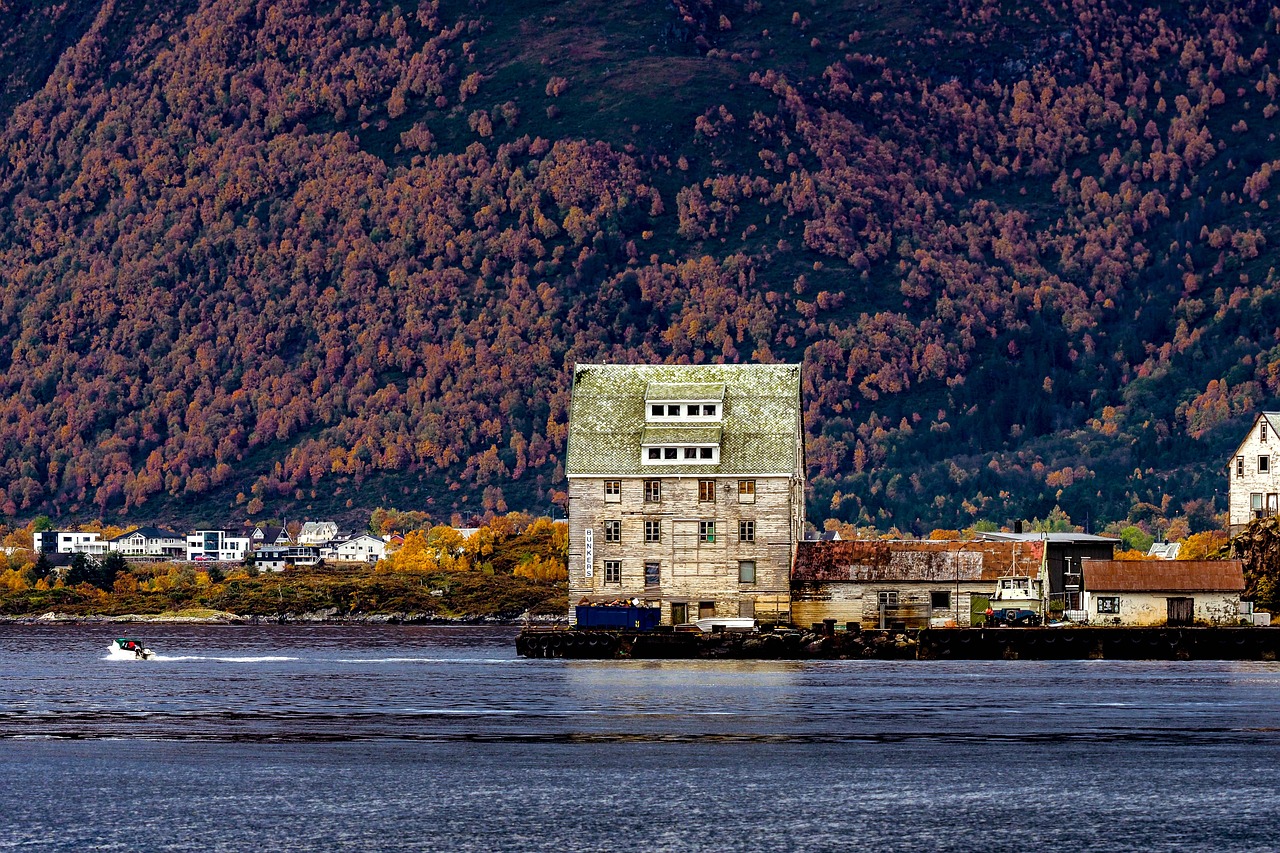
(673, 454)
(688, 410)
(706, 491)
(653, 531)
(653, 572)
(1264, 465)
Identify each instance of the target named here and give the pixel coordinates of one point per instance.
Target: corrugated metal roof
(873, 560)
(760, 424)
(1163, 575)
(685, 392)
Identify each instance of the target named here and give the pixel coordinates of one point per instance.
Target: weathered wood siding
(815, 601)
(1241, 486)
(691, 571)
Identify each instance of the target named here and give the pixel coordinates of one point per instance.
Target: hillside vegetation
(510, 566)
(283, 257)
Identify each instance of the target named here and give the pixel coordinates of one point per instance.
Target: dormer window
(681, 455)
(696, 413)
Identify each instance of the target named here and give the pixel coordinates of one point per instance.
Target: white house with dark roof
(686, 487)
(1253, 481)
(152, 543)
(360, 549)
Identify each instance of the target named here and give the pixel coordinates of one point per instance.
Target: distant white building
(150, 543)
(277, 558)
(216, 546)
(318, 533)
(1253, 481)
(269, 534)
(69, 542)
(361, 549)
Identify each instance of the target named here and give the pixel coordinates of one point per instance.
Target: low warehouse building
(878, 583)
(1163, 592)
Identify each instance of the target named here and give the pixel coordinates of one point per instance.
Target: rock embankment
(771, 645)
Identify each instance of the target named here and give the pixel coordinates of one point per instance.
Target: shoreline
(319, 618)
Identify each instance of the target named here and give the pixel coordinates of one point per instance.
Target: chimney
(1017, 527)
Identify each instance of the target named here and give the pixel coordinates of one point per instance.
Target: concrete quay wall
(1081, 643)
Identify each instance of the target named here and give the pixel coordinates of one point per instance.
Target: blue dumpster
(618, 618)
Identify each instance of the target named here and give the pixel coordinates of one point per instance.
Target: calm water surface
(397, 738)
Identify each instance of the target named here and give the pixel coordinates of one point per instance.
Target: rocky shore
(327, 616)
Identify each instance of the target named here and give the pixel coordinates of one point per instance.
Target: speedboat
(126, 649)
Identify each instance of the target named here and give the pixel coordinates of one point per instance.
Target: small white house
(1253, 474)
(216, 546)
(318, 532)
(1163, 592)
(362, 549)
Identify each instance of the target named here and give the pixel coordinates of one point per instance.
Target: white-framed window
(746, 491)
(613, 571)
(746, 531)
(612, 491)
(706, 531)
(1108, 604)
(680, 455)
(653, 531)
(1239, 467)
(889, 598)
(746, 571)
(652, 491)
(703, 412)
(1262, 431)
(1264, 464)
(613, 530)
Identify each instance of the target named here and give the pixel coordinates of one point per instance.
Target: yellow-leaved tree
(540, 568)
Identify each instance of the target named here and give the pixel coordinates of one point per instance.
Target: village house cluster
(686, 495)
(271, 547)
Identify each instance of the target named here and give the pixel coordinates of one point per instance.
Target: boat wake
(227, 658)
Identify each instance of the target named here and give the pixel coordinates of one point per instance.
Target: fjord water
(440, 738)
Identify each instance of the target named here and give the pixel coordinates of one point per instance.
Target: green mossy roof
(681, 434)
(759, 432)
(684, 392)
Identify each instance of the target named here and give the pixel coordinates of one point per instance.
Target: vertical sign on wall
(589, 551)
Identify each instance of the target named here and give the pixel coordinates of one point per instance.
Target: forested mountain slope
(282, 257)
